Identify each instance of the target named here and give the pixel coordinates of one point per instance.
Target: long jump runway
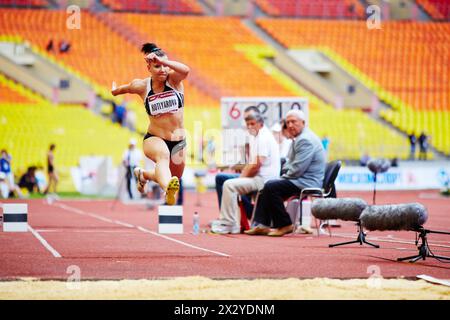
(123, 243)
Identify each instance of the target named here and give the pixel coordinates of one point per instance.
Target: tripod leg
(371, 244)
(417, 258)
(362, 239)
(438, 257)
(424, 250)
(409, 258)
(374, 187)
(343, 243)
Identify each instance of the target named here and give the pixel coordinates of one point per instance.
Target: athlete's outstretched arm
(179, 70)
(137, 86)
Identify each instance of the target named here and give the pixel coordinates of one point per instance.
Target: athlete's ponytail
(148, 48)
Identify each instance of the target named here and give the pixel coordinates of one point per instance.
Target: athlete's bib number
(163, 103)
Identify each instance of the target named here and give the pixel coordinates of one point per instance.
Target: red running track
(123, 244)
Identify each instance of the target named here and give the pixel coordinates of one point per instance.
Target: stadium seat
(29, 124)
(437, 9)
(155, 6)
(318, 8)
(24, 3)
(226, 59)
(403, 73)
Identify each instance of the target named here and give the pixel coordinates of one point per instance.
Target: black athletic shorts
(174, 146)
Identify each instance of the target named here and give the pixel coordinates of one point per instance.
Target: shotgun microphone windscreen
(378, 165)
(348, 209)
(408, 216)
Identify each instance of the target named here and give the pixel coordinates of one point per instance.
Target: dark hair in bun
(148, 48)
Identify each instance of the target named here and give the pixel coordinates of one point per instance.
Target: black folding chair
(328, 190)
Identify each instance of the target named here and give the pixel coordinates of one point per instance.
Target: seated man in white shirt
(264, 164)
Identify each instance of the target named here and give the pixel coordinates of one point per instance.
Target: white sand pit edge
(201, 288)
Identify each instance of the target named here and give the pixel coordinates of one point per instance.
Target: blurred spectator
(113, 110)
(325, 144)
(276, 131)
(201, 143)
(98, 103)
(41, 178)
(131, 158)
(5, 168)
(64, 46)
(351, 89)
(423, 146)
(394, 162)
(50, 46)
(364, 159)
(282, 137)
(287, 142)
(28, 180)
(351, 8)
(121, 113)
(51, 170)
(412, 148)
(210, 151)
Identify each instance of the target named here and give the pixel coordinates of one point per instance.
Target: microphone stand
(424, 248)
(374, 186)
(360, 239)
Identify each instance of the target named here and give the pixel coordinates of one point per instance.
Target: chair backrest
(331, 173)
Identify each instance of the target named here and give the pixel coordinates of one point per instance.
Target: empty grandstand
(403, 68)
(396, 63)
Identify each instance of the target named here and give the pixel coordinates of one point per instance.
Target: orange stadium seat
(155, 6)
(9, 95)
(103, 51)
(96, 51)
(407, 59)
(24, 3)
(318, 8)
(208, 45)
(398, 58)
(437, 9)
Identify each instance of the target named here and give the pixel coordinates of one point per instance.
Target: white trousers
(230, 211)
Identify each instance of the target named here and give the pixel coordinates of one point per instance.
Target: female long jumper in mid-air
(165, 142)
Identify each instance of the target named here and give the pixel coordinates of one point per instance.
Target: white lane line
(124, 224)
(436, 196)
(102, 218)
(96, 216)
(78, 231)
(182, 242)
(44, 242)
(84, 213)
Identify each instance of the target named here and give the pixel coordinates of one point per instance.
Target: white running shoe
(140, 180)
(224, 227)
